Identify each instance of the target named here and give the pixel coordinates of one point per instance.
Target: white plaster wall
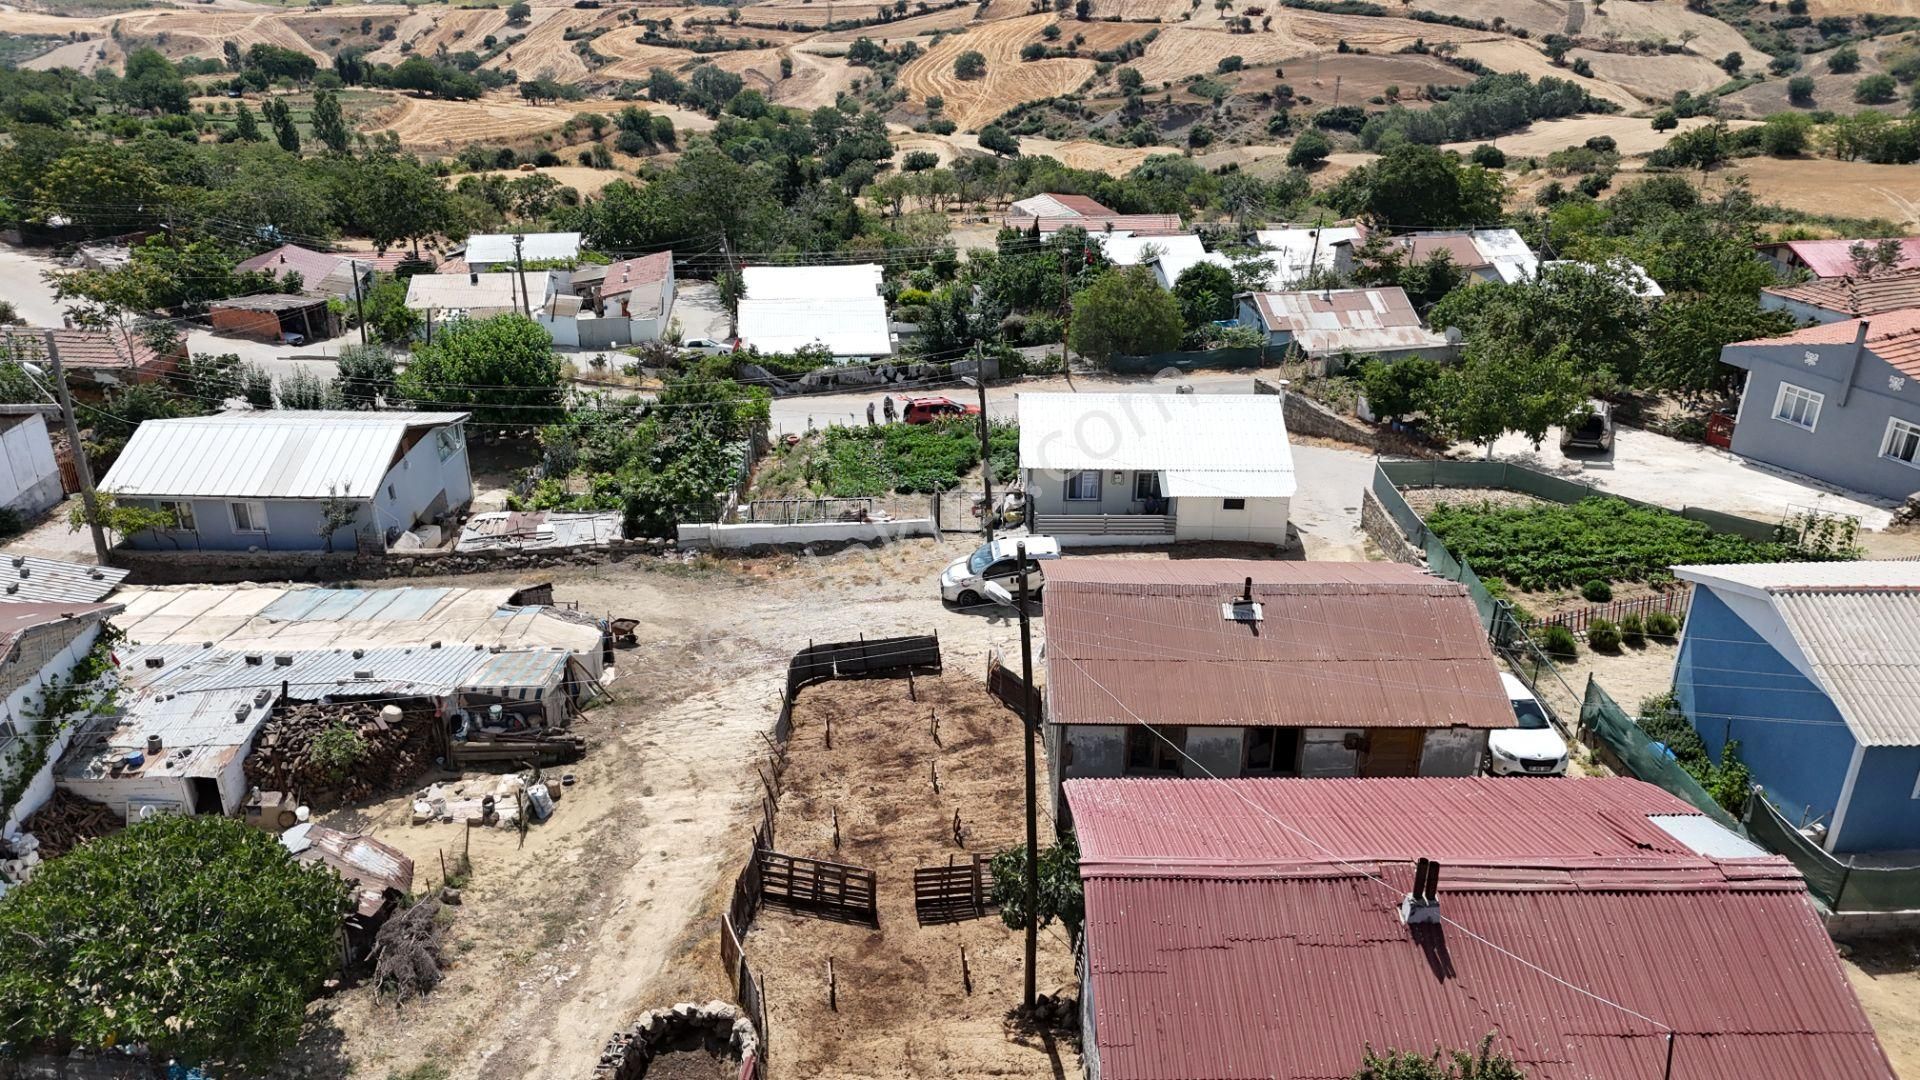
(40, 788)
(1264, 521)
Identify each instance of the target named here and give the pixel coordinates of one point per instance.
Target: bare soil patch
(578, 177)
(1885, 972)
(903, 1006)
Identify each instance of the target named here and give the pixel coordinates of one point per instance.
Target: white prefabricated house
(1117, 469)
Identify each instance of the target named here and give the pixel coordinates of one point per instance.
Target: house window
(182, 514)
(1084, 487)
(1155, 750)
(1798, 406)
(447, 442)
(1233, 504)
(1146, 486)
(1902, 443)
(248, 516)
(1272, 750)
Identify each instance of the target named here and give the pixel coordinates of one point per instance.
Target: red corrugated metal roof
(1215, 953)
(1834, 258)
(624, 277)
(1137, 224)
(1338, 645)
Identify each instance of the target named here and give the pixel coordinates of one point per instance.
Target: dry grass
(1509, 54)
(972, 103)
(1826, 186)
(1635, 135)
(545, 52)
(1652, 76)
(430, 124)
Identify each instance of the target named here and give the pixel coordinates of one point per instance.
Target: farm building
(29, 476)
(274, 317)
(1144, 225)
(322, 273)
(1832, 258)
(1225, 667)
(1326, 326)
(41, 643)
(1485, 254)
(1156, 468)
(235, 481)
(478, 295)
(1298, 252)
(486, 252)
(795, 307)
(1063, 206)
(1801, 664)
(1279, 928)
(179, 753)
(636, 288)
(1839, 402)
(1826, 300)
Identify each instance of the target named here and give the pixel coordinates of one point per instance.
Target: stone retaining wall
(1380, 528)
(229, 567)
(1306, 416)
(716, 1027)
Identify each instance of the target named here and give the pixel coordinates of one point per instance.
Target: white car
(964, 581)
(706, 346)
(1533, 748)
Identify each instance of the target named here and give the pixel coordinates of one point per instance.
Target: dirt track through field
(972, 103)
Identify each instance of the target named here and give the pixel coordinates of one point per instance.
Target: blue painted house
(1814, 668)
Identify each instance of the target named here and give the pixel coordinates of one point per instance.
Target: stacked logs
(397, 752)
(67, 821)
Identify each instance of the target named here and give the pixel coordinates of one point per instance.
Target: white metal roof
(277, 455)
(1296, 251)
(1201, 441)
(477, 292)
(1853, 622)
(848, 327)
(1512, 259)
(858, 281)
(1633, 276)
(27, 579)
(488, 248)
(1123, 249)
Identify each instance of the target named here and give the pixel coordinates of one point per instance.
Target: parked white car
(1532, 749)
(964, 581)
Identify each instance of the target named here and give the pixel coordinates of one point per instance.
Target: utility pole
(359, 307)
(520, 264)
(1033, 825)
(84, 471)
(979, 379)
(1066, 308)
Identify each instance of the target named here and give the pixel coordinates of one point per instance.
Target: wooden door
(1393, 752)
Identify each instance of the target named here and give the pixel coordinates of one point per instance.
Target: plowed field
(428, 124)
(972, 103)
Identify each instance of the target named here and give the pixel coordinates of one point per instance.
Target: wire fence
(1674, 602)
(1841, 886)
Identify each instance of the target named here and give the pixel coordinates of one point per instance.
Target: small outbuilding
(275, 317)
(1327, 326)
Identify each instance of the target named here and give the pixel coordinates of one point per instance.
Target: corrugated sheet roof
(1386, 647)
(1354, 320)
(1133, 250)
(1834, 258)
(847, 327)
(279, 455)
(486, 248)
(1864, 574)
(1221, 945)
(312, 266)
(315, 673)
(1296, 251)
(1178, 432)
(1052, 205)
(367, 863)
(1855, 296)
(858, 281)
(1119, 224)
(30, 579)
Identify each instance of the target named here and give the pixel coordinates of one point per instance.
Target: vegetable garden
(851, 462)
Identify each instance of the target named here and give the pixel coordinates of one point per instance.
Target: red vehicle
(925, 410)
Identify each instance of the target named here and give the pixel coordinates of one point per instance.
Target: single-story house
(487, 252)
(792, 307)
(1632, 275)
(637, 288)
(29, 476)
(322, 273)
(1298, 252)
(1814, 670)
(235, 481)
(1831, 258)
(1115, 224)
(1485, 254)
(850, 282)
(1839, 402)
(173, 753)
(1277, 929)
(107, 357)
(1229, 667)
(274, 317)
(40, 643)
(1326, 325)
(480, 295)
(1062, 206)
(1155, 468)
(1826, 300)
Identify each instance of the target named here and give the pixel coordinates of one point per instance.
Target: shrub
(337, 748)
(1559, 643)
(1597, 591)
(1603, 635)
(1632, 630)
(1662, 625)
(1844, 60)
(1800, 89)
(1488, 155)
(1875, 90)
(970, 65)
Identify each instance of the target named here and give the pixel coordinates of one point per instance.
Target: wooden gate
(1720, 431)
(828, 889)
(1393, 752)
(947, 894)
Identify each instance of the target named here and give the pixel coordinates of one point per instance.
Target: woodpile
(406, 953)
(67, 821)
(396, 752)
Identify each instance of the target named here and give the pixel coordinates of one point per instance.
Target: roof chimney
(1422, 905)
(1243, 608)
(473, 277)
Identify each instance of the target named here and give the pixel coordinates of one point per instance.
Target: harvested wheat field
(816, 80)
(1361, 77)
(759, 69)
(1537, 17)
(455, 29)
(1180, 51)
(972, 103)
(1518, 56)
(1652, 76)
(584, 180)
(904, 1008)
(1909, 8)
(637, 61)
(1654, 20)
(1634, 135)
(1825, 186)
(200, 33)
(431, 124)
(545, 53)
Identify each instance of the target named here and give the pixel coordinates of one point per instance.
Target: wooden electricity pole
(81, 469)
(1033, 826)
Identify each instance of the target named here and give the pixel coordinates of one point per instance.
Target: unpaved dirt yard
(1885, 972)
(903, 1004)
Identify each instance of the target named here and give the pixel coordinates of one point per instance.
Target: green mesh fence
(1610, 726)
(1501, 474)
(1839, 885)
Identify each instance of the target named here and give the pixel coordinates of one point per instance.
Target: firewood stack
(67, 821)
(398, 752)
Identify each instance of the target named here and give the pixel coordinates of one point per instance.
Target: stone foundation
(716, 1027)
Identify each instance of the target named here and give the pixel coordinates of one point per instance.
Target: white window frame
(182, 510)
(1898, 427)
(1812, 399)
(1146, 476)
(1080, 478)
(255, 510)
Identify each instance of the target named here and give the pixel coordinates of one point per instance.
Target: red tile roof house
(1832, 258)
(1838, 402)
(1342, 669)
(105, 356)
(1255, 928)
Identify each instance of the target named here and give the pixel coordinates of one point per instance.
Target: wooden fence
(1673, 603)
(828, 889)
(949, 894)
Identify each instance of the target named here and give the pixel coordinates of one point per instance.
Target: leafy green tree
(367, 374)
(1800, 90)
(970, 65)
(1501, 385)
(1786, 134)
(199, 937)
(1204, 292)
(1420, 186)
(920, 161)
(281, 119)
(329, 123)
(153, 84)
(96, 184)
(1594, 310)
(503, 368)
(245, 127)
(1130, 80)
(394, 200)
(1844, 60)
(304, 390)
(999, 140)
(519, 12)
(1060, 894)
(1439, 1065)
(1310, 149)
(1399, 388)
(1878, 89)
(1665, 120)
(1688, 332)
(1124, 312)
(711, 87)
(211, 379)
(389, 319)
